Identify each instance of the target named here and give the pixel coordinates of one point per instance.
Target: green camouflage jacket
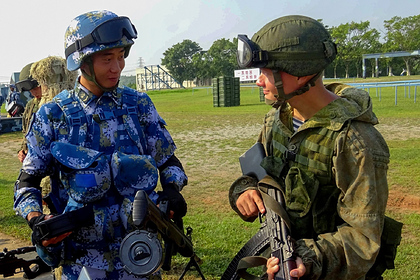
(346, 213)
(30, 109)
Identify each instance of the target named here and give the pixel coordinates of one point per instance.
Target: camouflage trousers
(46, 189)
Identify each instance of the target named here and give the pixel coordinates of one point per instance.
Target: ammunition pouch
(133, 172)
(85, 173)
(390, 239)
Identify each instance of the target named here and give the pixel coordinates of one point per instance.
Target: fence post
(396, 90)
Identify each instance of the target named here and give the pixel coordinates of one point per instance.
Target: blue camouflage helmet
(96, 31)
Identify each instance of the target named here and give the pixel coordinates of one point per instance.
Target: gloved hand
(34, 220)
(36, 235)
(176, 201)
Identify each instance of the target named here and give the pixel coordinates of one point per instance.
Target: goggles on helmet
(108, 32)
(249, 54)
(26, 85)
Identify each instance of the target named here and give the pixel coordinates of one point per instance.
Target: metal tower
(154, 77)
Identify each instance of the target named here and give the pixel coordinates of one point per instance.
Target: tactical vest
(129, 140)
(303, 161)
(93, 176)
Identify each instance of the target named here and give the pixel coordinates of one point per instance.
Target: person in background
(53, 77)
(106, 142)
(322, 151)
(27, 83)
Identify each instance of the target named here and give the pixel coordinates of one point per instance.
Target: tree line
(188, 61)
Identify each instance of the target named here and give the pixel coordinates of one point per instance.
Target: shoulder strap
(74, 114)
(130, 115)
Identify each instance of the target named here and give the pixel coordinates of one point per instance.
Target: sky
(32, 30)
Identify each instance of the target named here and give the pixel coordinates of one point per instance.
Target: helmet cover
(85, 25)
(304, 43)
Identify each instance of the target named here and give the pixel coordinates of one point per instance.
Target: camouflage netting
(53, 76)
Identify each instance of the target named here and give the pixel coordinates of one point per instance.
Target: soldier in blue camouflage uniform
(106, 143)
(323, 153)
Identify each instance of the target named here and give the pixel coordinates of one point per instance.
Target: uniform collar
(85, 96)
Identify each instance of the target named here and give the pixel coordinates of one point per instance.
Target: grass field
(210, 140)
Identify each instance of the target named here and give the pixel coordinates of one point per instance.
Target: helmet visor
(26, 85)
(249, 54)
(108, 32)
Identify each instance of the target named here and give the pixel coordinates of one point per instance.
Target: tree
(179, 60)
(223, 57)
(371, 44)
(403, 34)
(353, 40)
(219, 60)
(339, 35)
(202, 64)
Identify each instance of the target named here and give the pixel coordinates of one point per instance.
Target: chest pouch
(301, 188)
(133, 172)
(85, 173)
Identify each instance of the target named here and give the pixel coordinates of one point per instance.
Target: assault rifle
(10, 264)
(276, 219)
(141, 252)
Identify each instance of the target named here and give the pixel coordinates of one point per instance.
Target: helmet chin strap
(92, 77)
(282, 96)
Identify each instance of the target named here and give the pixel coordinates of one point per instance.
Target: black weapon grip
(289, 266)
(140, 205)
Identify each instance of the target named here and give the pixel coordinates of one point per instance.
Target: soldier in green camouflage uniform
(323, 151)
(44, 80)
(28, 83)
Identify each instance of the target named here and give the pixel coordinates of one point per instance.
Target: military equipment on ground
(10, 264)
(10, 124)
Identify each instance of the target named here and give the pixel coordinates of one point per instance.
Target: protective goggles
(249, 55)
(26, 85)
(108, 32)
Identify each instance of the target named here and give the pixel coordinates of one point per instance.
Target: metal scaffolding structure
(377, 56)
(154, 77)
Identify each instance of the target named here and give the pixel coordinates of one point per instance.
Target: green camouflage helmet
(25, 72)
(297, 45)
(26, 81)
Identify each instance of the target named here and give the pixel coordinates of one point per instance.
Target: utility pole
(140, 62)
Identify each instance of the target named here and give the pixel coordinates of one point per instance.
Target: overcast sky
(32, 30)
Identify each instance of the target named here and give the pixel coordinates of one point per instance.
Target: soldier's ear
(85, 68)
(301, 81)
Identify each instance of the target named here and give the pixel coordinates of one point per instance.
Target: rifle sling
(248, 262)
(263, 186)
(255, 261)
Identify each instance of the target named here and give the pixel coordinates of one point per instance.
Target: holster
(390, 240)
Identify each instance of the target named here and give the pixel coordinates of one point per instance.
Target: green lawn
(210, 140)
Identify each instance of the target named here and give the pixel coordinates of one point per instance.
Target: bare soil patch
(400, 201)
(399, 131)
(10, 148)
